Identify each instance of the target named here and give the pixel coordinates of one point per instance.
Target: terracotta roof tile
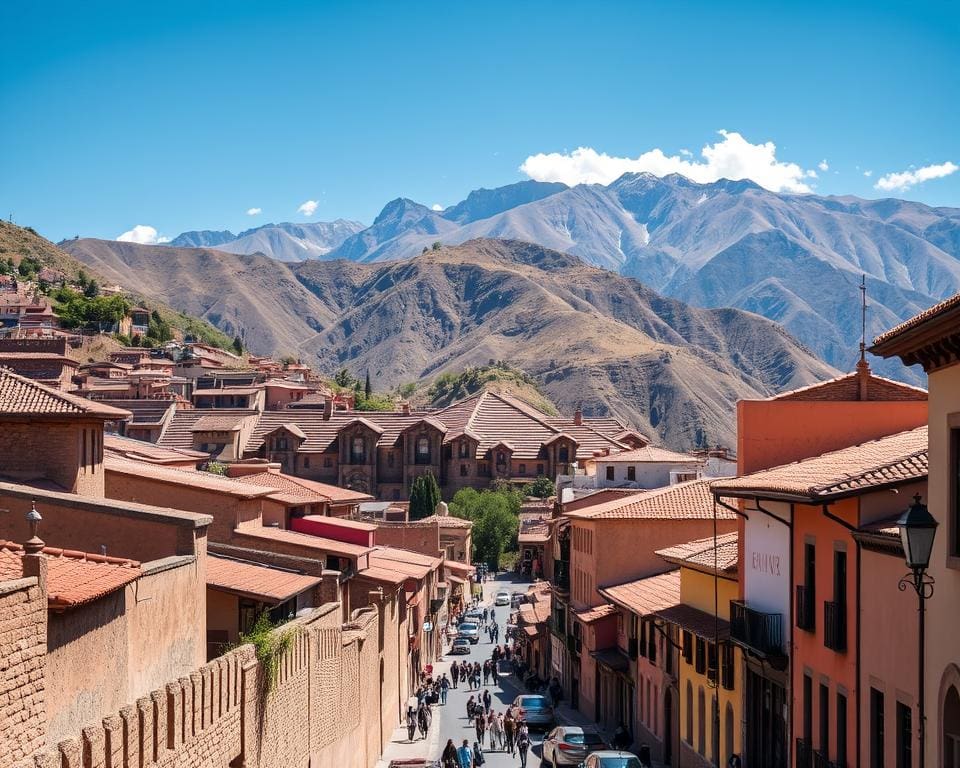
(913, 322)
(20, 396)
(306, 540)
(145, 412)
(890, 460)
(298, 490)
(590, 615)
(254, 580)
(217, 423)
(644, 596)
(700, 623)
(684, 501)
(73, 578)
(191, 478)
(179, 431)
(458, 568)
(699, 553)
(847, 389)
(141, 450)
(648, 454)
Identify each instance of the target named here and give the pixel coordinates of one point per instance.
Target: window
(824, 719)
(463, 470)
(727, 667)
(652, 644)
(631, 473)
(463, 449)
(701, 660)
(501, 458)
(643, 638)
(841, 715)
(701, 723)
(281, 444)
(327, 462)
(539, 469)
(687, 647)
(609, 472)
(522, 469)
(306, 462)
(876, 729)
(83, 449)
(807, 709)
(840, 578)
(955, 486)
(806, 595)
(711, 662)
(904, 736)
(563, 455)
(423, 450)
(357, 450)
(689, 738)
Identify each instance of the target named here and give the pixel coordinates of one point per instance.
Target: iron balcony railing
(763, 632)
(806, 616)
(835, 626)
(804, 754)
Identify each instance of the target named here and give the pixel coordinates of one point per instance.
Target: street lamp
(917, 531)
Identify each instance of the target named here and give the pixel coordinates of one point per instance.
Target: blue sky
(185, 115)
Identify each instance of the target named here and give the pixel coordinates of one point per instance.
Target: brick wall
(23, 630)
(318, 712)
(53, 450)
(417, 537)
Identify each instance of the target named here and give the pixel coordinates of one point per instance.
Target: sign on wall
(766, 566)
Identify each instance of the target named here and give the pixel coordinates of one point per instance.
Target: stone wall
(323, 709)
(23, 629)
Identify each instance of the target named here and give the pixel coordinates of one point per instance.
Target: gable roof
(648, 454)
(141, 450)
(298, 490)
(145, 412)
(20, 396)
(917, 320)
(73, 578)
(701, 554)
(179, 431)
(691, 500)
(879, 463)
(847, 388)
(217, 423)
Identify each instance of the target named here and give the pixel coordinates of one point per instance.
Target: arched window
(423, 450)
(728, 730)
(464, 448)
(689, 713)
(501, 457)
(951, 728)
(357, 451)
(701, 723)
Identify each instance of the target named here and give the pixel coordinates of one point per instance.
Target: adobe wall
(318, 711)
(23, 609)
(417, 537)
(53, 450)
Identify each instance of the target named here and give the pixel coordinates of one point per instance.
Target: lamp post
(917, 531)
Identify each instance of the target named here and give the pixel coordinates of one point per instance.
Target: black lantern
(917, 530)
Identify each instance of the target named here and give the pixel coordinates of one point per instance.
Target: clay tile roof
(413, 564)
(187, 477)
(590, 615)
(305, 540)
(700, 553)
(919, 319)
(644, 596)
(140, 450)
(847, 389)
(293, 429)
(449, 521)
(20, 396)
(73, 578)
(886, 461)
(460, 569)
(691, 500)
(649, 454)
(217, 423)
(260, 582)
(700, 623)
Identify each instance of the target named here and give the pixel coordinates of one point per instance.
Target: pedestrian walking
(423, 720)
(444, 687)
(471, 707)
(449, 757)
(485, 615)
(509, 731)
(465, 755)
(478, 758)
(523, 744)
(480, 723)
(495, 673)
(476, 673)
(496, 730)
(486, 672)
(411, 723)
(487, 699)
(454, 678)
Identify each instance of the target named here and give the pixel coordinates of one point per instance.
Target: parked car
(612, 758)
(470, 631)
(461, 645)
(517, 599)
(536, 710)
(502, 598)
(570, 745)
(473, 615)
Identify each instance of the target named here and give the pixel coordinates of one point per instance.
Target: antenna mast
(863, 318)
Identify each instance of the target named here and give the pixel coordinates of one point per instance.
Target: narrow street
(450, 721)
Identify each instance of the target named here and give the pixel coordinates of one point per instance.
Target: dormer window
(501, 457)
(423, 450)
(463, 449)
(357, 452)
(563, 455)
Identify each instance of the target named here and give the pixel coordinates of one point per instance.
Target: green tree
(238, 345)
(92, 289)
(367, 389)
(342, 378)
(436, 245)
(424, 496)
(494, 531)
(542, 488)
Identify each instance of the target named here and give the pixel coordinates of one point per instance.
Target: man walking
(487, 699)
(444, 687)
(480, 723)
(465, 755)
(455, 676)
(508, 731)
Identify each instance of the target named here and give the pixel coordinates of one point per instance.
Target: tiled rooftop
(847, 389)
(650, 454)
(306, 540)
(20, 396)
(891, 460)
(684, 501)
(217, 423)
(919, 319)
(644, 596)
(140, 450)
(193, 479)
(700, 623)
(179, 432)
(700, 554)
(298, 490)
(261, 582)
(145, 412)
(590, 615)
(73, 578)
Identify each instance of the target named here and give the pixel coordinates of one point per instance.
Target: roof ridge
(527, 410)
(870, 470)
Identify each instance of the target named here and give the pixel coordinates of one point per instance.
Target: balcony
(561, 574)
(806, 616)
(574, 644)
(804, 754)
(835, 626)
(761, 632)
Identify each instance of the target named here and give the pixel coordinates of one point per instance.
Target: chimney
(327, 408)
(578, 416)
(405, 407)
(863, 379)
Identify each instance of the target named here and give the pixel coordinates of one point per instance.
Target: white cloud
(868, 174)
(436, 207)
(823, 165)
(143, 234)
(254, 211)
(308, 208)
(901, 182)
(733, 157)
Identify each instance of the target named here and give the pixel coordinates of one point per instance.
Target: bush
(424, 496)
(542, 488)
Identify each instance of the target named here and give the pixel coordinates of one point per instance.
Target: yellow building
(709, 664)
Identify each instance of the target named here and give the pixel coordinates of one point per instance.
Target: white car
(470, 631)
(460, 646)
(570, 745)
(502, 598)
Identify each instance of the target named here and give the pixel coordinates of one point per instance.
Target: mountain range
(284, 241)
(587, 335)
(795, 259)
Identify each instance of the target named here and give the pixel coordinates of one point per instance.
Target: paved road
(450, 721)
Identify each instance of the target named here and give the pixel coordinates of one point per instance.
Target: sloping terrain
(585, 334)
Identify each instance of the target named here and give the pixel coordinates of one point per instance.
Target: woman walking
(487, 700)
(449, 757)
(496, 730)
(509, 728)
(411, 723)
(423, 719)
(480, 723)
(523, 743)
